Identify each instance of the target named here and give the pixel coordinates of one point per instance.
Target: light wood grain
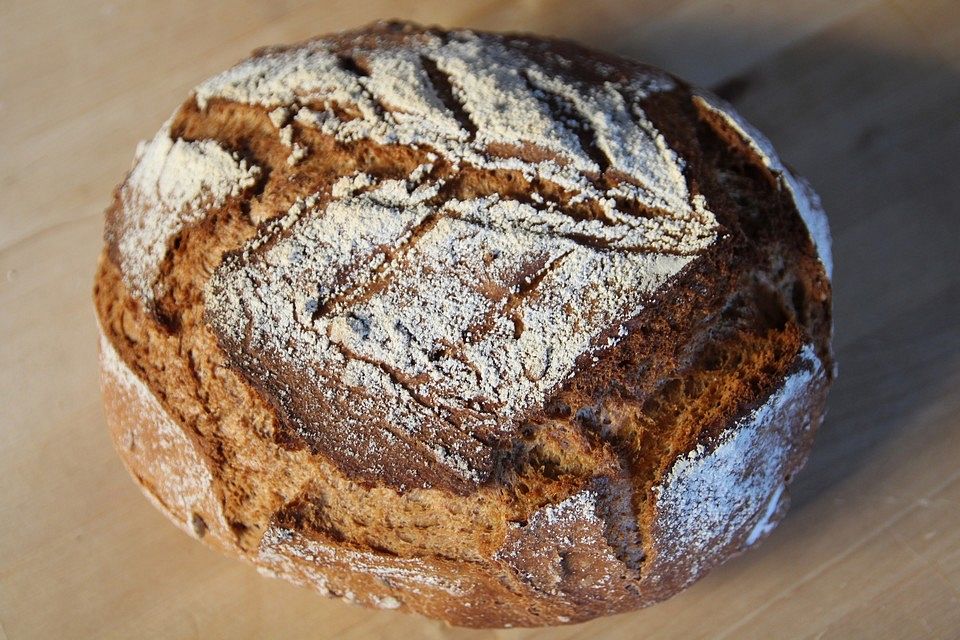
(860, 96)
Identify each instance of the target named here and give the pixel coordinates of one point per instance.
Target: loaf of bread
(492, 328)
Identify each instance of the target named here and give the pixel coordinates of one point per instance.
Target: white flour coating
(580, 507)
(172, 184)
(438, 294)
(811, 210)
(710, 496)
(306, 561)
(164, 455)
(387, 602)
(807, 201)
(765, 525)
(502, 94)
(574, 529)
(450, 309)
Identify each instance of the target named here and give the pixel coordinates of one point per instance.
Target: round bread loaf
(488, 327)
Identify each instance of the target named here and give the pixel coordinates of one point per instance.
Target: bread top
(446, 230)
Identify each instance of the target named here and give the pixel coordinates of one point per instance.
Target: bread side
(637, 454)
(556, 568)
(163, 459)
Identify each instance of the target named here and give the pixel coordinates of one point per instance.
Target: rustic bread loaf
(487, 327)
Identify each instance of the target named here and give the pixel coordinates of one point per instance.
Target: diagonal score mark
(569, 116)
(401, 381)
(446, 91)
(523, 290)
(526, 289)
(380, 276)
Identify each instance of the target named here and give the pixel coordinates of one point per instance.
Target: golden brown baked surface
(492, 328)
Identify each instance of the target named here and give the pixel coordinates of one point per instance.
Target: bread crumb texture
(487, 327)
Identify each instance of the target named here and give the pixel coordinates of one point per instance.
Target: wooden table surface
(862, 96)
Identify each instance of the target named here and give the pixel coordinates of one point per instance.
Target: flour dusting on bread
(806, 200)
(173, 184)
(171, 472)
(472, 307)
(713, 494)
(486, 327)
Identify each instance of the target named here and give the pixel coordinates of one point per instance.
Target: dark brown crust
(542, 576)
(585, 436)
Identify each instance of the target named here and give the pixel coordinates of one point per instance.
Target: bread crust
(555, 570)
(160, 455)
(574, 515)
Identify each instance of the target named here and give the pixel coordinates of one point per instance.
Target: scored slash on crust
(394, 308)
